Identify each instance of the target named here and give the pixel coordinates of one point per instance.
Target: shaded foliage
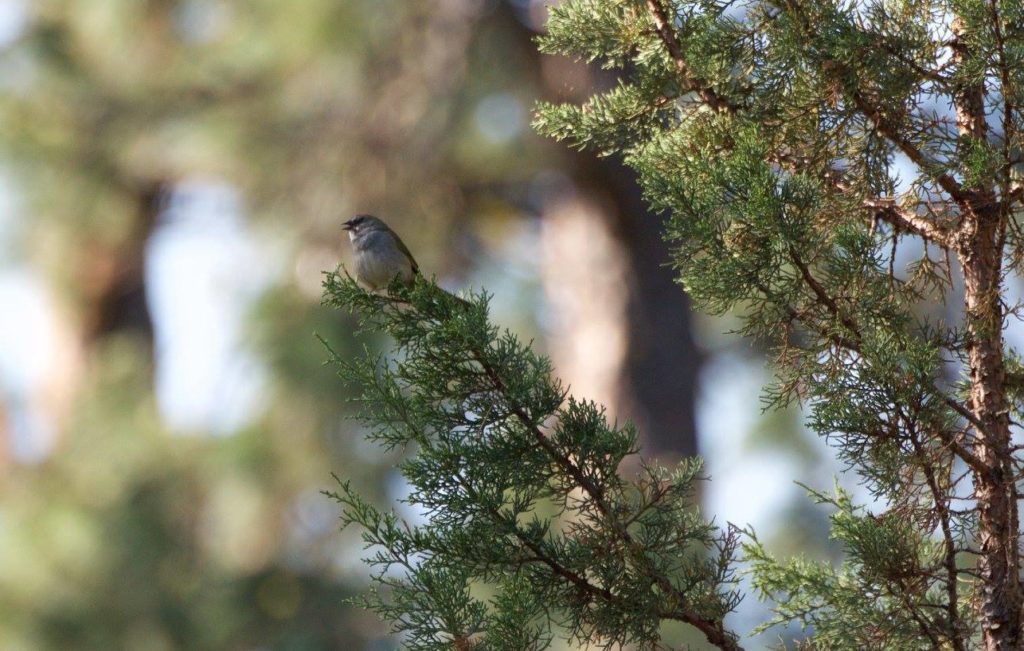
(525, 527)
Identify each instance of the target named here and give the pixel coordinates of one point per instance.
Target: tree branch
(886, 209)
(877, 117)
(949, 559)
(666, 32)
(713, 630)
(884, 127)
(822, 297)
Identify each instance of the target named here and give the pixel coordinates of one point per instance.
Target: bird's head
(363, 224)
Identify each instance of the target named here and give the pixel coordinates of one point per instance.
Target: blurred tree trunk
(624, 335)
(653, 382)
(663, 363)
(115, 283)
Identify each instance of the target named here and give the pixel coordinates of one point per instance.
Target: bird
(380, 255)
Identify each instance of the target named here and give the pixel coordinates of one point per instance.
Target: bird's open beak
(347, 225)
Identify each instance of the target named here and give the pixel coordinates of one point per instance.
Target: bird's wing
(404, 249)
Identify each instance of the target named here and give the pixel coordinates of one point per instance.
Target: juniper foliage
(844, 176)
(527, 530)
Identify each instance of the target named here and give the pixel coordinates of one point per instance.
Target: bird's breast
(377, 263)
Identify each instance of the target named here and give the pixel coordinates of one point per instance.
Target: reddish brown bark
(980, 249)
(999, 599)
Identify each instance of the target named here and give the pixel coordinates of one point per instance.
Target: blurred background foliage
(173, 174)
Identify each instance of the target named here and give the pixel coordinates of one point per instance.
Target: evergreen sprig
(845, 178)
(877, 598)
(527, 529)
(839, 175)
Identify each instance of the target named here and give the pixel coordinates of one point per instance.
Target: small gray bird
(380, 255)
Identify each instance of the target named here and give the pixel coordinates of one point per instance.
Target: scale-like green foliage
(879, 596)
(821, 164)
(527, 530)
(843, 177)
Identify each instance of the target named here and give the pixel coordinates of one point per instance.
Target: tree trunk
(662, 359)
(115, 284)
(999, 599)
(654, 381)
(980, 249)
